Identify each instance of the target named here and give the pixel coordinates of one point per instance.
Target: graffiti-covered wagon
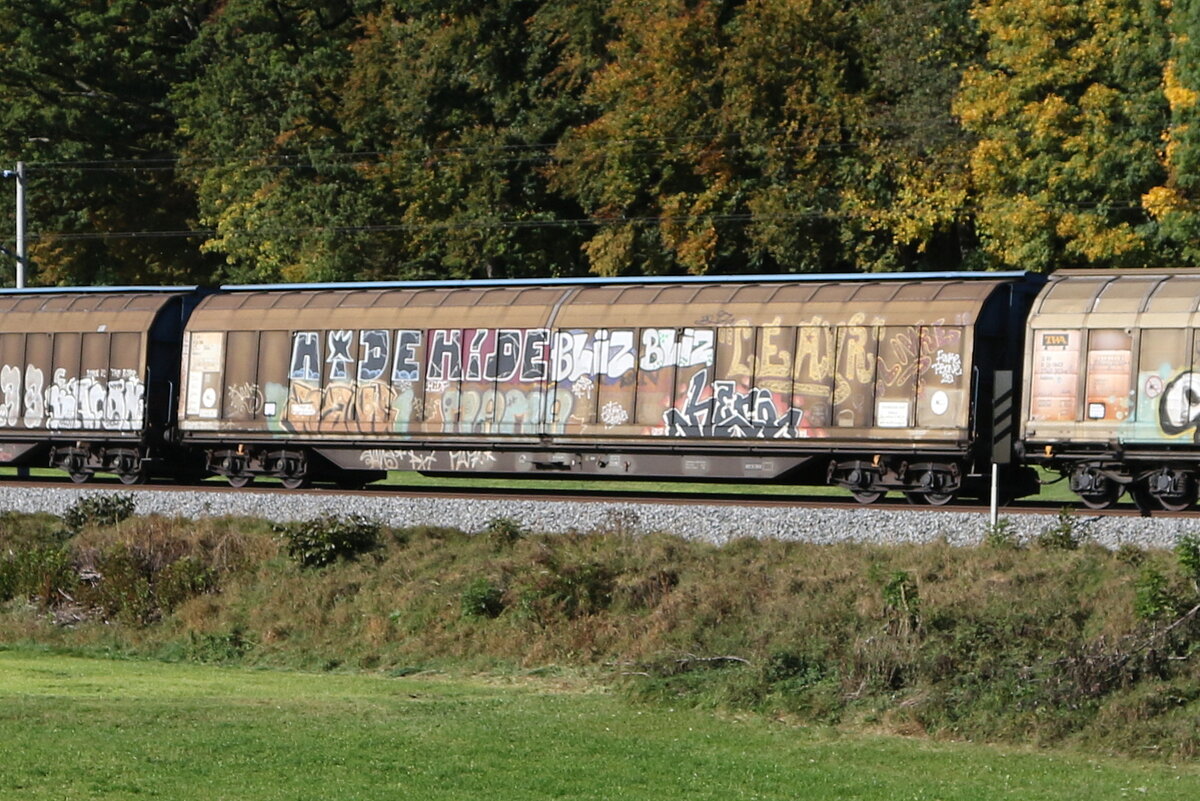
(1113, 393)
(88, 377)
(873, 383)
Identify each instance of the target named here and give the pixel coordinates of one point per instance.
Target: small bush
(43, 573)
(568, 588)
(105, 509)
(1187, 551)
(124, 590)
(1064, 535)
(221, 648)
(481, 598)
(1002, 535)
(182, 579)
(1130, 554)
(326, 539)
(1153, 599)
(503, 532)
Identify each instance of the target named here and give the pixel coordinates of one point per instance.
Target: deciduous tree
(85, 87)
(1175, 203)
(1069, 113)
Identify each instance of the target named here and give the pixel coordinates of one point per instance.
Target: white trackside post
(995, 494)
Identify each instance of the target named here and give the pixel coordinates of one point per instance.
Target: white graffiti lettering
(948, 366)
(98, 400)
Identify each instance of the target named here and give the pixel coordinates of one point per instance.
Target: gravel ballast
(693, 520)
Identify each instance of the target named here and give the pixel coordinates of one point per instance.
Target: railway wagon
(88, 378)
(1113, 392)
(874, 383)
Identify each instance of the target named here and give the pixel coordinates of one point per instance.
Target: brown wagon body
(87, 377)
(874, 384)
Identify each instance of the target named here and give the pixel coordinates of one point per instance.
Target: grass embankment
(78, 728)
(1045, 645)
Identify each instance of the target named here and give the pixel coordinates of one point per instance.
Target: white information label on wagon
(891, 414)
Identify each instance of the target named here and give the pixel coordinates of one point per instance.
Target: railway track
(798, 500)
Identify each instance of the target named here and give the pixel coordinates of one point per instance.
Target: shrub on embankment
(1043, 644)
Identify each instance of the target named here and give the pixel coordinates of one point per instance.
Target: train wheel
(1172, 490)
(1180, 502)
(240, 480)
(932, 492)
(868, 496)
(80, 476)
(133, 477)
(294, 482)
(1104, 499)
(931, 498)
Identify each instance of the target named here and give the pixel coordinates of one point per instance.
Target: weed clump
(482, 598)
(105, 509)
(44, 573)
(326, 539)
(503, 532)
(1153, 599)
(1002, 535)
(1065, 535)
(566, 588)
(1187, 552)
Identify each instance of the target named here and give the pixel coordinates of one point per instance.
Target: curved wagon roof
(609, 303)
(1119, 299)
(112, 309)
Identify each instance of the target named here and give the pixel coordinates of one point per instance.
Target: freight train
(908, 383)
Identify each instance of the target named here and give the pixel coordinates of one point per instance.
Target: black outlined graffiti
(1179, 406)
(726, 412)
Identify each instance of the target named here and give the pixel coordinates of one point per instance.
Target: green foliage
(264, 151)
(326, 539)
(223, 647)
(128, 583)
(1068, 109)
(1187, 552)
(1002, 535)
(100, 509)
(1175, 203)
(503, 532)
(481, 598)
(1153, 599)
(44, 573)
(85, 87)
(1064, 535)
(566, 586)
(371, 139)
(902, 601)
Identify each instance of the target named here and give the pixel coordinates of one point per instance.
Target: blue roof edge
(628, 280)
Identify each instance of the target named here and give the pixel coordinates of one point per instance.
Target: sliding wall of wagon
(1113, 358)
(81, 361)
(780, 361)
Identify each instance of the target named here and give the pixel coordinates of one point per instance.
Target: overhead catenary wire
(493, 224)
(495, 154)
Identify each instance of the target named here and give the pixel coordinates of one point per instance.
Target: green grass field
(76, 728)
